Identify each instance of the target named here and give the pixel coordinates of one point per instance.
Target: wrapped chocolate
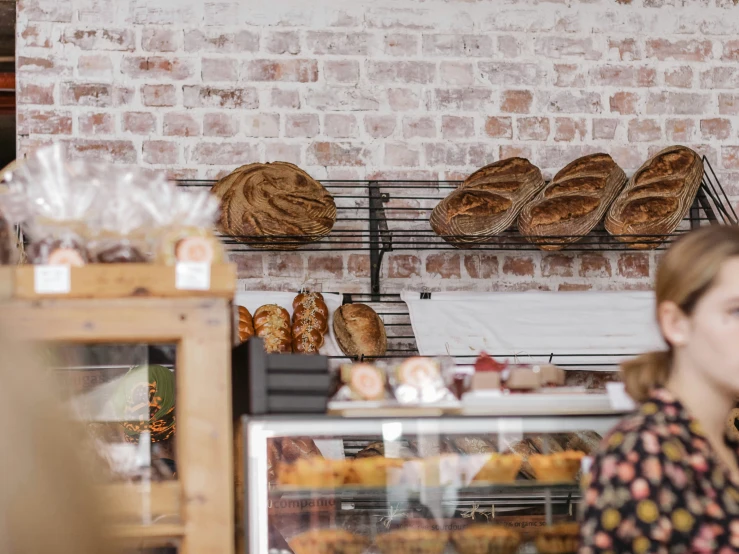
(419, 380)
(53, 198)
(184, 221)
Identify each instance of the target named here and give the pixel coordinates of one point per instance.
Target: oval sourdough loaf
(359, 331)
(656, 199)
(274, 205)
(487, 202)
(573, 203)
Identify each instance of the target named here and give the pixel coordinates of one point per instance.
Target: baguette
(272, 323)
(656, 199)
(487, 202)
(573, 203)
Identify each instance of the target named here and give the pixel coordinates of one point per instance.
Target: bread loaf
(656, 198)
(274, 205)
(246, 324)
(359, 331)
(573, 203)
(310, 322)
(272, 323)
(487, 202)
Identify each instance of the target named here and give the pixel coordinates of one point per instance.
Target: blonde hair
(688, 270)
(47, 498)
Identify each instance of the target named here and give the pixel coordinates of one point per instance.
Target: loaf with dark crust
(573, 203)
(274, 205)
(656, 198)
(487, 202)
(359, 331)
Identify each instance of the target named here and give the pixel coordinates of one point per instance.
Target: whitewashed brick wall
(386, 89)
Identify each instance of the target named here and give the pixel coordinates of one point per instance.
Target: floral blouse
(657, 487)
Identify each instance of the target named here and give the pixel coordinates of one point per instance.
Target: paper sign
(192, 276)
(52, 279)
(618, 398)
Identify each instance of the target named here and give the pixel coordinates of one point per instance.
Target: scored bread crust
(656, 198)
(359, 331)
(274, 205)
(573, 203)
(487, 202)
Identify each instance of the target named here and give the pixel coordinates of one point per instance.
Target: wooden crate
(139, 304)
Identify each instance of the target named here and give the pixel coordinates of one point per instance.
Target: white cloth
(536, 323)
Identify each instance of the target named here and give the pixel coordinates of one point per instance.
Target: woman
(667, 479)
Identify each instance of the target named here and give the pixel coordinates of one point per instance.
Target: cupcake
(412, 541)
(499, 468)
(486, 539)
(328, 541)
(557, 467)
(563, 538)
(375, 471)
(313, 472)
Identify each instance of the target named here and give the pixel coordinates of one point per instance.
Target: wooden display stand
(136, 303)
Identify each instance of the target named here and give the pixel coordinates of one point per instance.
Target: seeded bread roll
(246, 324)
(573, 203)
(272, 323)
(310, 322)
(487, 202)
(656, 198)
(359, 331)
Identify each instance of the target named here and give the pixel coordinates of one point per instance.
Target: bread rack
(380, 216)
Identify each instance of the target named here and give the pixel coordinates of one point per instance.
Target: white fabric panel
(253, 300)
(536, 323)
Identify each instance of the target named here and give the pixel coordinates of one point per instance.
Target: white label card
(192, 276)
(618, 397)
(52, 279)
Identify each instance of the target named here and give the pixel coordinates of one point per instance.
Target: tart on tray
(486, 539)
(412, 541)
(559, 467)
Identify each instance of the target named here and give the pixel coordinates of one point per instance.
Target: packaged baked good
(562, 538)
(53, 199)
(412, 541)
(486, 539)
(488, 374)
(183, 221)
(419, 380)
(309, 322)
(362, 381)
(328, 541)
(559, 467)
(522, 378)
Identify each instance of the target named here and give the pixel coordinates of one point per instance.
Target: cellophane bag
(121, 227)
(184, 221)
(52, 198)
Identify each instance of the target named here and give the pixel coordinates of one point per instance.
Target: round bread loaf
(274, 205)
(359, 331)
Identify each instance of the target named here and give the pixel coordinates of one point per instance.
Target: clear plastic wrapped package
(419, 380)
(184, 220)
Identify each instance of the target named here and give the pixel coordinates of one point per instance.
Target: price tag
(618, 398)
(52, 279)
(192, 276)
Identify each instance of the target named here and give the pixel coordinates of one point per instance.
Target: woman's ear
(673, 323)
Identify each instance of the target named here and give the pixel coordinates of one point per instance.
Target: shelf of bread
(31, 282)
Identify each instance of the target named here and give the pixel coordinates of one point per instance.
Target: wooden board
(127, 280)
(131, 503)
(7, 281)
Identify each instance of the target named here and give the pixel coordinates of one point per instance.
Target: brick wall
(386, 88)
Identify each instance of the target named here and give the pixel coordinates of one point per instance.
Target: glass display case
(416, 484)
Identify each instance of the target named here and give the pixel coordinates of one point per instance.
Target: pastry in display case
(449, 484)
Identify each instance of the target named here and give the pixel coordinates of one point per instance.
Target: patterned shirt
(657, 487)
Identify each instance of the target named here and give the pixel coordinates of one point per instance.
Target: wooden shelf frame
(201, 327)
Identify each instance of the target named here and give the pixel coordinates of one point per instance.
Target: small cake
(523, 378)
(563, 538)
(365, 381)
(499, 468)
(486, 539)
(556, 467)
(313, 472)
(418, 372)
(328, 541)
(550, 375)
(375, 471)
(412, 541)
